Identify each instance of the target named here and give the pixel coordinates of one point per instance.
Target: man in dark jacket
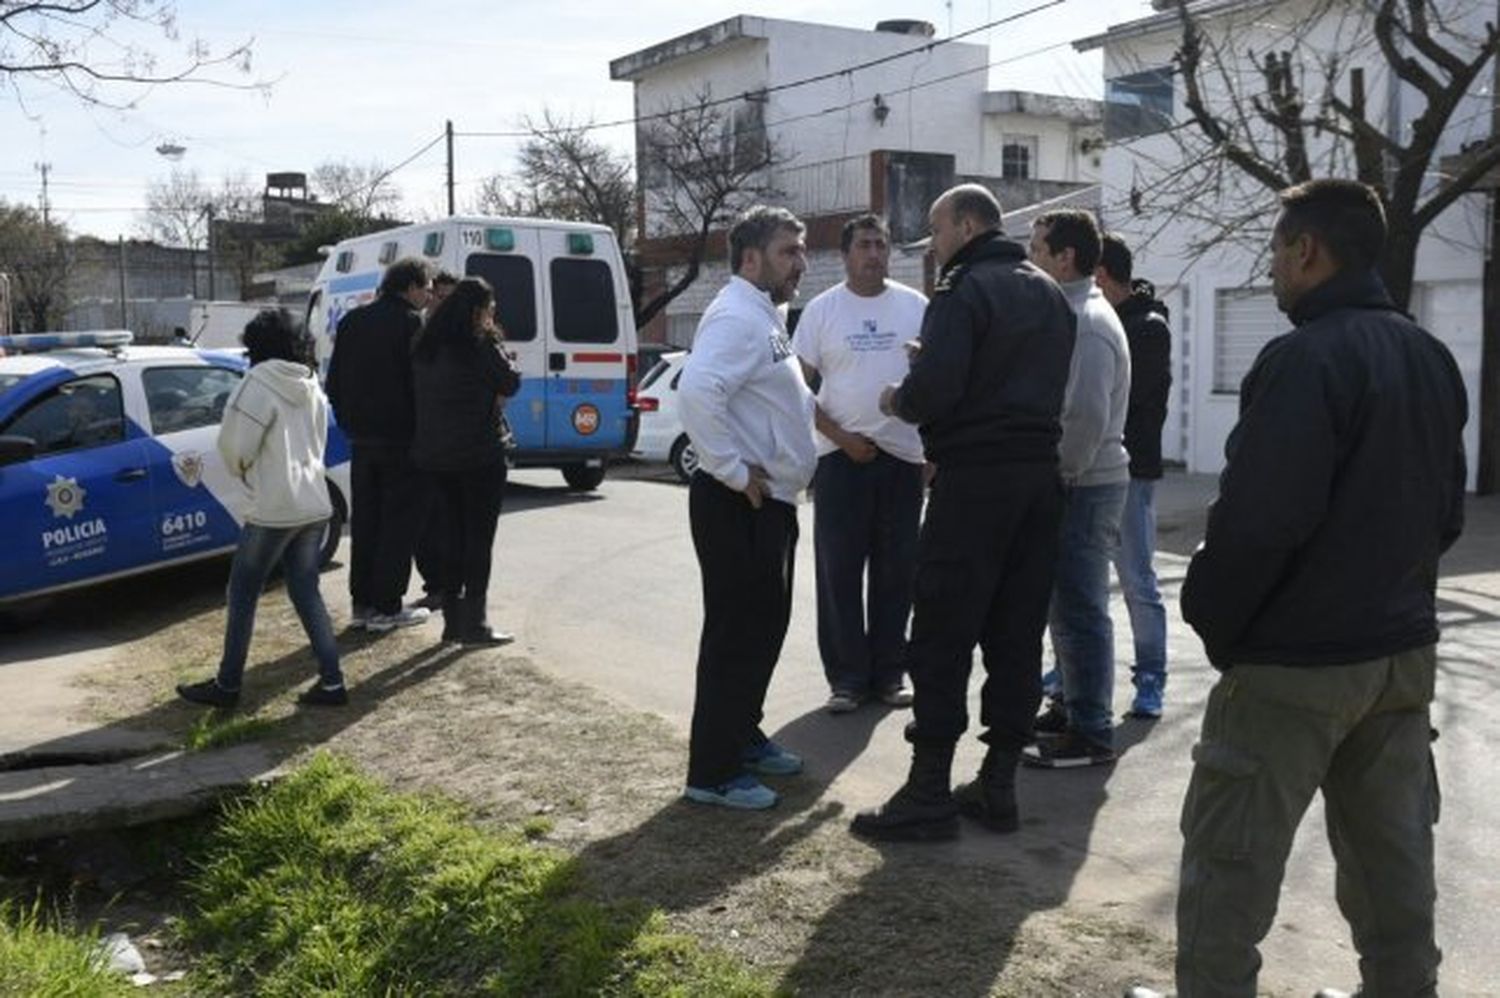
(1145, 322)
(986, 389)
(370, 386)
(1314, 593)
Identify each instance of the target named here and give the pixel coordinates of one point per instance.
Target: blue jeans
(297, 550)
(865, 519)
(1082, 635)
(1148, 617)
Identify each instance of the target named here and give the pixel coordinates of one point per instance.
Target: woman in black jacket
(461, 376)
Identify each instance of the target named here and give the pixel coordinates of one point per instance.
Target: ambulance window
(515, 291)
(185, 398)
(85, 412)
(583, 301)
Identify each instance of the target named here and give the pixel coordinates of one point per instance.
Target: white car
(661, 437)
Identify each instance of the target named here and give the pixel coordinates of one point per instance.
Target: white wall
(1058, 154)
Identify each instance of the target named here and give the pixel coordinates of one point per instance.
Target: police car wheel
(333, 532)
(683, 458)
(582, 477)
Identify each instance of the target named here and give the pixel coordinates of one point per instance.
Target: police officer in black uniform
(986, 388)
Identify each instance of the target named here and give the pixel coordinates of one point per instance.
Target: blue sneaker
(770, 759)
(743, 793)
(1149, 688)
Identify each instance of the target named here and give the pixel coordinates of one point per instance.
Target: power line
(818, 78)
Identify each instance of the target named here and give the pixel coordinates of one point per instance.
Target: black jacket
(987, 385)
(1345, 481)
(460, 395)
(369, 374)
(1145, 322)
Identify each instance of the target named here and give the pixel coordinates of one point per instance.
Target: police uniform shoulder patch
(950, 279)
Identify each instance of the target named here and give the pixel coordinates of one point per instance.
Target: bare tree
(701, 163)
(1269, 107)
(565, 173)
(178, 208)
(361, 190)
(38, 256)
(83, 47)
(1277, 94)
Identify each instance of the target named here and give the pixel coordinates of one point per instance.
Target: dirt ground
(789, 891)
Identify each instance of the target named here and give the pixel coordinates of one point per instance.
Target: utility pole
(1487, 471)
(124, 308)
(448, 131)
(44, 169)
(210, 211)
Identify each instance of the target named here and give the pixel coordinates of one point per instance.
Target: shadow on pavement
(949, 916)
(927, 919)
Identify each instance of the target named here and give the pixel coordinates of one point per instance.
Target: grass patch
(41, 958)
(217, 730)
(327, 883)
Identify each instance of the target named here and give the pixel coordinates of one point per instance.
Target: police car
(109, 464)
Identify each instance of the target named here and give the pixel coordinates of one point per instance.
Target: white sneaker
(409, 616)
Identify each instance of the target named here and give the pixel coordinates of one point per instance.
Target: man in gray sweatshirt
(1095, 472)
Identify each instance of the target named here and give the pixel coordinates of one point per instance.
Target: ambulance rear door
(505, 256)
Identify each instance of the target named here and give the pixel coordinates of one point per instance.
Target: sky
(375, 81)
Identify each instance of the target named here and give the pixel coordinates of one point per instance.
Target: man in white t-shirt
(867, 494)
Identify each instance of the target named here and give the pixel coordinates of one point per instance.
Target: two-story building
(860, 120)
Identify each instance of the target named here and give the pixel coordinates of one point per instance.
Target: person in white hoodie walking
(749, 415)
(272, 438)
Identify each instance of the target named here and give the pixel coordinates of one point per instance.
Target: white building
(1222, 309)
(866, 120)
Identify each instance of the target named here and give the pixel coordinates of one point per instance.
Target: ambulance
(563, 301)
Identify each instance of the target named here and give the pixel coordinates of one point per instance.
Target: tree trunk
(1399, 263)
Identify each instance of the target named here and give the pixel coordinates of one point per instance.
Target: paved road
(605, 589)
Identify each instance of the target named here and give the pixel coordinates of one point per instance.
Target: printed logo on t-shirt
(869, 339)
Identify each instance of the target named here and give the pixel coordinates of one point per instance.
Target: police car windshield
(9, 381)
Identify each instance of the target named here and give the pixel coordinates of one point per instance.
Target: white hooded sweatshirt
(272, 438)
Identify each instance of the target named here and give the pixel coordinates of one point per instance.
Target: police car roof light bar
(43, 342)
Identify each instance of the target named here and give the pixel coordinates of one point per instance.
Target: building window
(1018, 157)
(1245, 320)
(1138, 104)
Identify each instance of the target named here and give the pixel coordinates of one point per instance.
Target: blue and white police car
(108, 460)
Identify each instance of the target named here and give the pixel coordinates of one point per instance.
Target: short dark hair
(446, 278)
(274, 335)
(1346, 216)
(1116, 259)
(976, 202)
(400, 276)
(756, 228)
(869, 220)
(1075, 229)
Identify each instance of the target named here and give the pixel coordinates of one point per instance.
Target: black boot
(990, 798)
(455, 610)
(923, 809)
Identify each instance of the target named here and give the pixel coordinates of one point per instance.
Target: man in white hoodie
(272, 438)
(750, 417)
(1095, 472)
